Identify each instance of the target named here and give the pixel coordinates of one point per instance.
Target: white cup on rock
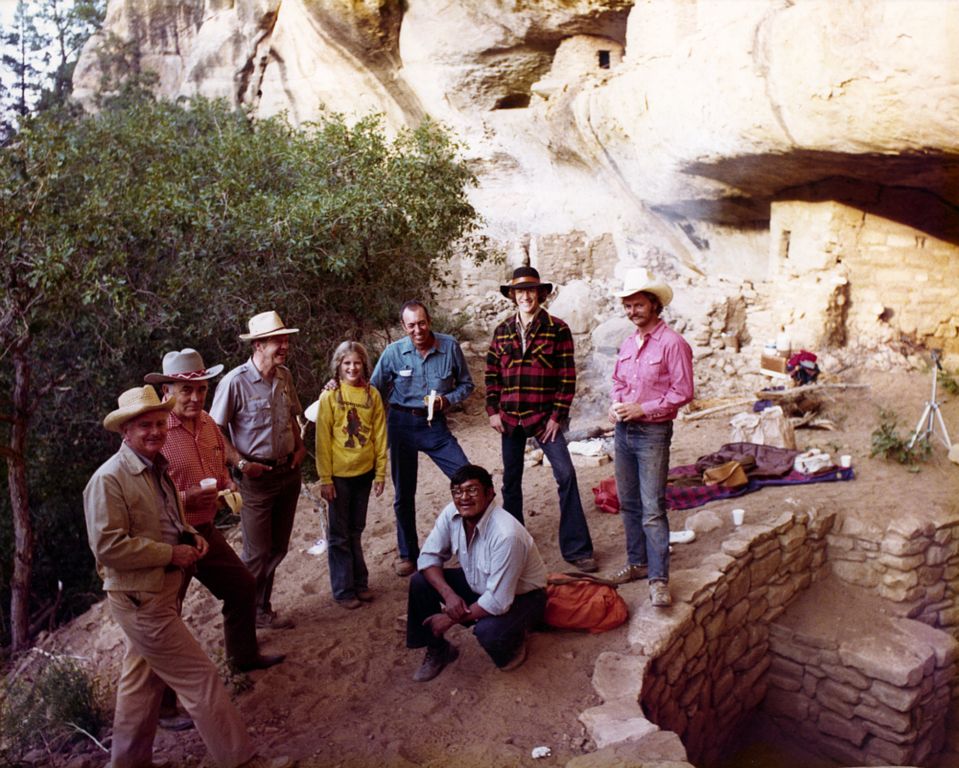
(845, 461)
(738, 515)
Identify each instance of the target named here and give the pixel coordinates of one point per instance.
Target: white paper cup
(845, 461)
(738, 515)
(208, 482)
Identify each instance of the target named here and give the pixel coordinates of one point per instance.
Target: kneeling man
(499, 587)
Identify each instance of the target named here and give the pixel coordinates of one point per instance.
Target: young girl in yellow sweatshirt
(351, 461)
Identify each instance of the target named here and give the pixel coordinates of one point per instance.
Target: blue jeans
(501, 636)
(574, 539)
(408, 434)
(642, 465)
(348, 572)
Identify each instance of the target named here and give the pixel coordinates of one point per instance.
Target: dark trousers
(348, 572)
(574, 539)
(408, 434)
(501, 636)
(269, 504)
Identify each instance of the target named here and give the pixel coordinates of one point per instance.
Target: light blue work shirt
(404, 377)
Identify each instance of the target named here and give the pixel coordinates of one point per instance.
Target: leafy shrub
(51, 705)
(889, 444)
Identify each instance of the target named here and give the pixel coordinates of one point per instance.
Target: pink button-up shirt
(657, 374)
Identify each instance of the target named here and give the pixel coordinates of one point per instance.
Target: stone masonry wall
(878, 696)
(704, 662)
(913, 564)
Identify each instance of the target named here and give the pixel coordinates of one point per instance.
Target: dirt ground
(344, 696)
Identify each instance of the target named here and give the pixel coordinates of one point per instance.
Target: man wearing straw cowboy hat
(530, 384)
(255, 406)
(652, 380)
(196, 451)
(142, 545)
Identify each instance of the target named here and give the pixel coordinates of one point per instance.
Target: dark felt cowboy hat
(524, 277)
(185, 365)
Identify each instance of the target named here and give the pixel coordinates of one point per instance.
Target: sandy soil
(344, 696)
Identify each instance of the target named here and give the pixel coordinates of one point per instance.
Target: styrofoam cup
(845, 461)
(208, 482)
(738, 515)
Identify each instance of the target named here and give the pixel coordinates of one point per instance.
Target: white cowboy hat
(638, 279)
(312, 411)
(185, 365)
(266, 324)
(132, 403)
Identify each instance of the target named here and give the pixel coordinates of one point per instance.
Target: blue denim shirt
(404, 377)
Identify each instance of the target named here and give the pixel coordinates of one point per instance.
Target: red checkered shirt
(193, 457)
(528, 388)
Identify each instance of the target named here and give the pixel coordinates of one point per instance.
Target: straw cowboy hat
(524, 277)
(185, 365)
(264, 325)
(638, 279)
(132, 403)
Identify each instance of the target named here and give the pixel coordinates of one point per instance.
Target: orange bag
(582, 601)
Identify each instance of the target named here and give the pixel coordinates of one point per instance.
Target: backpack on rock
(582, 601)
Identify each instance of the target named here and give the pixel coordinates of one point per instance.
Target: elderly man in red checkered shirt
(196, 450)
(530, 384)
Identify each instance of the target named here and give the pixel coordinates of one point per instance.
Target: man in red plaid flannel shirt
(196, 450)
(530, 384)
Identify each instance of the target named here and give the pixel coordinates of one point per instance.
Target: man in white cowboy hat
(142, 545)
(652, 380)
(530, 384)
(196, 451)
(255, 406)
(408, 372)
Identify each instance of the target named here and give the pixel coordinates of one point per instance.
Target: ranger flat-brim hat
(134, 402)
(185, 365)
(524, 277)
(638, 280)
(264, 325)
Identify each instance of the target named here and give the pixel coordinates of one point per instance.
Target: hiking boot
(517, 660)
(404, 566)
(350, 603)
(659, 594)
(435, 662)
(365, 594)
(584, 564)
(260, 661)
(176, 722)
(272, 620)
(629, 573)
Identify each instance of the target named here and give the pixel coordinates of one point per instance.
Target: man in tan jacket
(142, 544)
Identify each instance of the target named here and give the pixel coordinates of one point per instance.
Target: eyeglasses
(472, 491)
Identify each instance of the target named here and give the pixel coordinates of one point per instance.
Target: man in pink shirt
(652, 380)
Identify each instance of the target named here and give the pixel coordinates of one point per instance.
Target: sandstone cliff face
(664, 133)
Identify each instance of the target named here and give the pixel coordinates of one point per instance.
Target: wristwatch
(241, 464)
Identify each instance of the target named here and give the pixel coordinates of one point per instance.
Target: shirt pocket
(544, 353)
(439, 376)
(653, 371)
(404, 383)
(256, 414)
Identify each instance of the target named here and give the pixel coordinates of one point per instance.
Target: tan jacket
(122, 510)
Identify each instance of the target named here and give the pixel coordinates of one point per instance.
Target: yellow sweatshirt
(350, 433)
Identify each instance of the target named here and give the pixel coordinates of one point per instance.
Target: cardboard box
(773, 365)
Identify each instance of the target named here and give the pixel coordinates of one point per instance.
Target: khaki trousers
(161, 651)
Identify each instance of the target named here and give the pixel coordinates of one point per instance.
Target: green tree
(151, 226)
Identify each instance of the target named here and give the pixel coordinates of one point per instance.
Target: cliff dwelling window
(784, 245)
(513, 101)
(603, 59)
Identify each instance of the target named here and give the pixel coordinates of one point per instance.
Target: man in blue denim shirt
(408, 371)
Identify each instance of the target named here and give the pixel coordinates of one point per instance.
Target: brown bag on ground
(728, 475)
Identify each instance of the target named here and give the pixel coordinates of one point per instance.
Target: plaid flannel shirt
(194, 456)
(528, 388)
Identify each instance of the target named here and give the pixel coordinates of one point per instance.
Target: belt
(405, 409)
(272, 462)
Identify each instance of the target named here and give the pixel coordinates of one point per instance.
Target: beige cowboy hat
(524, 277)
(639, 280)
(185, 365)
(264, 325)
(132, 403)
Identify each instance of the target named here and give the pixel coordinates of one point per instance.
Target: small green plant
(51, 706)
(889, 444)
(947, 382)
